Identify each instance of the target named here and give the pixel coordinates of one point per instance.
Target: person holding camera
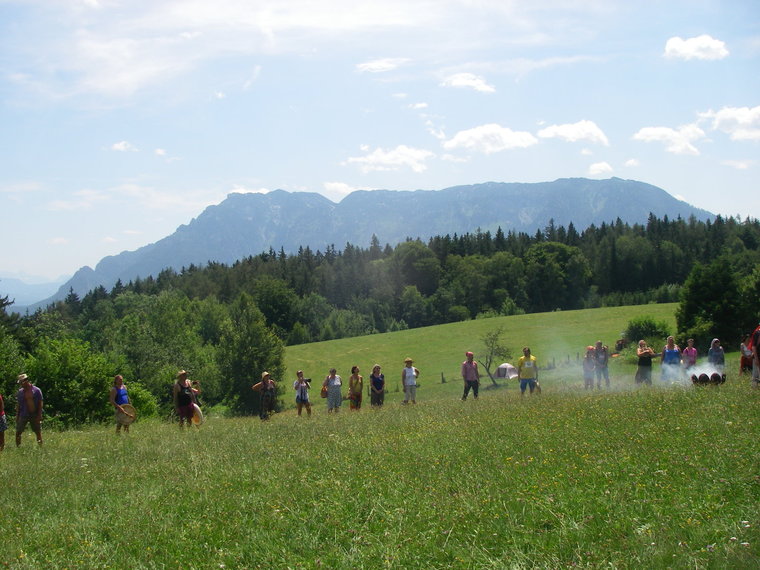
(301, 386)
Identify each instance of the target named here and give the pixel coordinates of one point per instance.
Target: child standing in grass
(588, 369)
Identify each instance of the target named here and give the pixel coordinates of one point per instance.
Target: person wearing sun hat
(470, 376)
(183, 395)
(29, 409)
(268, 394)
(409, 381)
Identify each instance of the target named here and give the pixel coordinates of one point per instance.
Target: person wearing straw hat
(268, 392)
(119, 398)
(29, 409)
(409, 381)
(470, 376)
(183, 396)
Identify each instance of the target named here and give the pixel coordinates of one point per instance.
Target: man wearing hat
(409, 381)
(470, 375)
(29, 408)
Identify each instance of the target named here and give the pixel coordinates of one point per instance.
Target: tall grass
(653, 477)
(656, 477)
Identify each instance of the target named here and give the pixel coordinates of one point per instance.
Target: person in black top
(644, 371)
(377, 387)
(183, 395)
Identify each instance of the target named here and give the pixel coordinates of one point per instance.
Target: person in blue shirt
(118, 398)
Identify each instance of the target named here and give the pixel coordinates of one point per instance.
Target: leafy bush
(645, 327)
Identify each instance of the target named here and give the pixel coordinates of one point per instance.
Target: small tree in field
(495, 352)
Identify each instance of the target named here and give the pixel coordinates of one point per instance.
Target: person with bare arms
(29, 409)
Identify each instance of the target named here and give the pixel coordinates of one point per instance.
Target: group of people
(676, 363)
(332, 389)
(596, 364)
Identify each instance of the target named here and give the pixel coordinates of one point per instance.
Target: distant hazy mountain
(247, 224)
(25, 293)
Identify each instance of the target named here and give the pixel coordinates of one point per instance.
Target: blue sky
(122, 119)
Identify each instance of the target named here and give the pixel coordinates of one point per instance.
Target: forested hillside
(227, 323)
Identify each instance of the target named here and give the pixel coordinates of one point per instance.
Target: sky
(122, 119)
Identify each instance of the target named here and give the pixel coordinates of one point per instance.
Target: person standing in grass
(716, 357)
(470, 376)
(644, 369)
(355, 389)
(3, 423)
(268, 396)
(28, 409)
(670, 362)
(377, 387)
(589, 365)
(527, 371)
(601, 362)
(183, 397)
(301, 386)
(118, 397)
(409, 381)
(333, 383)
(689, 355)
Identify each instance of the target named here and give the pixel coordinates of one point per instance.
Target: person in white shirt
(409, 380)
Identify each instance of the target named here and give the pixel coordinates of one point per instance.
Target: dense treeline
(228, 323)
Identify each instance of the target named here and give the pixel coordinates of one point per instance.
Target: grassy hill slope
(553, 337)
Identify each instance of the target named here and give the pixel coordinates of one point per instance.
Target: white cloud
(677, 141)
(124, 146)
(489, 139)
(253, 78)
(336, 191)
(454, 158)
(220, 95)
(394, 159)
(435, 130)
(741, 123)
(81, 200)
(20, 188)
(586, 152)
(109, 239)
(240, 189)
(160, 152)
(574, 132)
(701, 47)
(469, 80)
(417, 106)
(58, 241)
(739, 164)
(632, 162)
(599, 168)
(381, 65)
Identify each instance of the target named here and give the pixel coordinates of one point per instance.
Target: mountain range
(247, 224)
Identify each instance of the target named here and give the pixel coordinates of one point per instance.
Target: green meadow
(650, 477)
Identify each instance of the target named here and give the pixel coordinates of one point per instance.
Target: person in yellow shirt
(527, 371)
